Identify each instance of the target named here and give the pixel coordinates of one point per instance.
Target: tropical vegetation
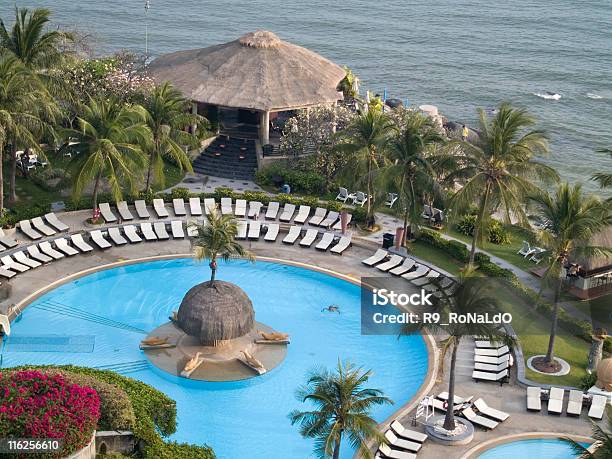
(602, 448)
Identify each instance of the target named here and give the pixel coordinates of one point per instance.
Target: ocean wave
(548, 95)
(592, 95)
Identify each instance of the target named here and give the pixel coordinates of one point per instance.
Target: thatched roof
(216, 313)
(597, 265)
(258, 71)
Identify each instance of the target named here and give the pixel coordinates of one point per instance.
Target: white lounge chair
(272, 210)
(431, 275)
(132, 234)
(309, 237)
(254, 230)
(318, 216)
(420, 270)
(160, 208)
(525, 249)
(116, 236)
(45, 247)
(555, 400)
(493, 377)
(146, 229)
(141, 209)
(241, 208)
(427, 212)
(292, 235)
(176, 227)
(41, 227)
(491, 367)
(287, 213)
(209, 205)
(492, 413)
(492, 352)
(272, 232)
(406, 266)
(493, 360)
(486, 423)
(574, 405)
(302, 215)
(484, 344)
(124, 211)
(391, 263)
(35, 253)
(391, 198)
(21, 257)
(12, 265)
(338, 225)
(378, 256)
(538, 255)
(396, 442)
(79, 242)
(360, 199)
(55, 222)
(241, 229)
(26, 228)
(407, 434)
(226, 206)
(160, 231)
(6, 241)
(332, 217)
(457, 400)
(325, 241)
(389, 453)
(106, 212)
(7, 273)
(64, 246)
(179, 207)
(534, 398)
(254, 209)
(195, 206)
(598, 406)
(341, 246)
(343, 195)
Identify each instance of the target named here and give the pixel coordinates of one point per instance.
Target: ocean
(456, 54)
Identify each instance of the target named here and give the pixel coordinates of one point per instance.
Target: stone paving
(198, 183)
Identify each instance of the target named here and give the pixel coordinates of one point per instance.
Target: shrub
(588, 381)
(24, 212)
(359, 214)
(38, 405)
(300, 181)
(224, 192)
(497, 232)
(180, 193)
(310, 201)
(256, 196)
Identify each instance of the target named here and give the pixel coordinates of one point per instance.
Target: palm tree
(603, 441)
(109, 134)
(471, 296)
(571, 219)
(216, 238)
(342, 406)
(363, 140)
(167, 117)
(604, 178)
(408, 168)
(499, 170)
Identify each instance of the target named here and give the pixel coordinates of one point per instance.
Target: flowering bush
(39, 405)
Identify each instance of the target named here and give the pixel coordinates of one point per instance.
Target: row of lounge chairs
(535, 254)
(492, 362)
(477, 412)
(402, 443)
(37, 228)
(577, 399)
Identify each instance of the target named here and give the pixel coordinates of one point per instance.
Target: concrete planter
(87, 452)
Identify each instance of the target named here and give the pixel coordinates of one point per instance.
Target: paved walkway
(198, 183)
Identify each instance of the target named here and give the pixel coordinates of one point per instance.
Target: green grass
(435, 256)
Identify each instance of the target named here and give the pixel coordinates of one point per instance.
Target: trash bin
(388, 239)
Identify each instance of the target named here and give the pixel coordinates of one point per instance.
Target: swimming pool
(99, 320)
(541, 448)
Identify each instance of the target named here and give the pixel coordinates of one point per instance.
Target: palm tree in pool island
(216, 238)
(341, 408)
(571, 219)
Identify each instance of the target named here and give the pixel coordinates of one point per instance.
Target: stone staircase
(228, 157)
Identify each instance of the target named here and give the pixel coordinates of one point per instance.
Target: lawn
(435, 256)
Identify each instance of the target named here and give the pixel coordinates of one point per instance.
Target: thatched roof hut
(596, 265)
(216, 313)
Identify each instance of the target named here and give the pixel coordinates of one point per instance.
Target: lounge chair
(431, 275)
(309, 237)
(41, 227)
(385, 451)
(195, 206)
(391, 263)
(6, 241)
(132, 234)
(407, 434)
(26, 228)
(338, 225)
(318, 216)
(254, 209)
(492, 352)
(141, 209)
(226, 206)
(55, 222)
(427, 212)
(360, 199)
(341, 246)
(179, 207)
(272, 232)
(492, 360)
(147, 231)
(420, 270)
(574, 405)
(192, 365)
(241, 229)
(484, 344)
(124, 211)
(209, 205)
(287, 213)
(332, 217)
(343, 195)
(391, 198)
(598, 406)
(160, 208)
(302, 215)
(292, 235)
(437, 218)
(325, 241)
(12, 265)
(493, 377)
(272, 210)
(64, 247)
(406, 266)
(254, 230)
(36, 254)
(47, 249)
(555, 400)
(241, 208)
(525, 249)
(486, 423)
(160, 231)
(538, 255)
(21, 257)
(457, 400)
(106, 212)
(176, 226)
(534, 398)
(116, 236)
(378, 256)
(491, 367)
(79, 242)
(400, 443)
(7, 273)
(486, 410)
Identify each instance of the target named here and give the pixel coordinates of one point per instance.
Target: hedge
(308, 182)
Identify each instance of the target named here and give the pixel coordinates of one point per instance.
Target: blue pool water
(541, 448)
(99, 320)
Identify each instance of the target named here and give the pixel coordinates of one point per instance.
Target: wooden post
(264, 127)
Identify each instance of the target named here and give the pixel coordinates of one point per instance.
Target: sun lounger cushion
(179, 207)
(393, 262)
(309, 237)
(325, 241)
(107, 213)
(35, 253)
(481, 421)
(46, 248)
(292, 235)
(254, 230)
(124, 211)
(318, 216)
(132, 234)
(116, 236)
(160, 208)
(342, 245)
(574, 405)
(408, 434)
(161, 231)
(55, 222)
(79, 242)
(378, 256)
(389, 453)
(302, 215)
(241, 208)
(147, 231)
(555, 400)
(534, 400)
(26, 228)
(21, 257)
(254, 209)
(598, 406)
(241, 230)
(492, 413)
(64, 247)
(272, 233)
(141, 209)
(177, 229)
(195, 206)
(401, 443)
(272, 210)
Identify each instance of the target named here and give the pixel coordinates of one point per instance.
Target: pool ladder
(126, 367)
